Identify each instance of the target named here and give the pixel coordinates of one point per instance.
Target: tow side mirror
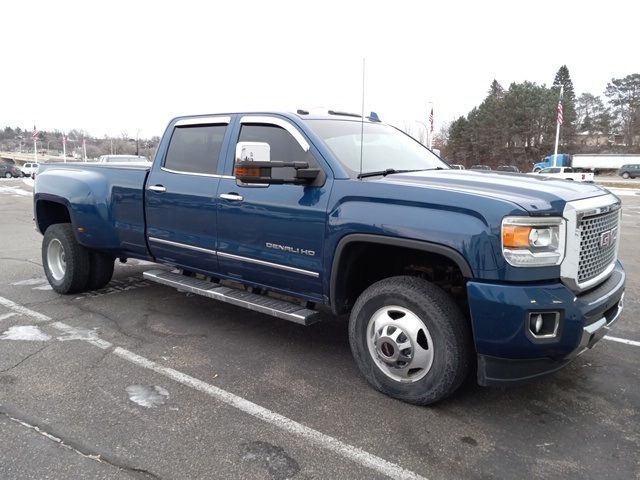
(254, 166)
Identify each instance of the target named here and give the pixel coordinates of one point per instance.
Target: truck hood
(536, 195)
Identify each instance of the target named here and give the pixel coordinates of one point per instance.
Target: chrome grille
(594, 257)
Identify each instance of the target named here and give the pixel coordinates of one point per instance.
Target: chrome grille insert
(598, 244)
(592, 243)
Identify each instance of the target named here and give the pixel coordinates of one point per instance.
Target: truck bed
(105, 201)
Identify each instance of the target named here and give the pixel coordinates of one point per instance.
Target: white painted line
(31, 281)
(7, 315)
(622, 340)
(24, 310)
(317, 438)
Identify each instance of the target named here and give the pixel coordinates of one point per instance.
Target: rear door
(180, 195)
(273, 235)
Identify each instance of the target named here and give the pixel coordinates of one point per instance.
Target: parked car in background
(565, 173)
(456, 166)
(480, 167)
(629, 171)
(508, 168)
(9, 171)
(28, 169)
(122, 159)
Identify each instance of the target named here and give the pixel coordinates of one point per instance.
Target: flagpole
(64, 148)
(555, 152)
(429, 131)
(35, 150)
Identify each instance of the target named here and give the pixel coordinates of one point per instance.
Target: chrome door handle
(157, 188)
(234, 197)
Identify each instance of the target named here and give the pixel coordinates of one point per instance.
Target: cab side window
(195, 149)
(282, 145)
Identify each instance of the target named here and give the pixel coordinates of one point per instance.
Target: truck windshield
(383, 147)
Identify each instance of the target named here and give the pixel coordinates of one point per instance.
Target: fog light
(537, 323)
(544, 324)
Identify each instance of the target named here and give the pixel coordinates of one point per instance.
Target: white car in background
(565, 173)
(28, 169)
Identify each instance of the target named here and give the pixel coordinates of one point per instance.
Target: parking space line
(317, 438)
(24, 310)
(623, 340)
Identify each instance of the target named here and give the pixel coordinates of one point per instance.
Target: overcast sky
(115, 67)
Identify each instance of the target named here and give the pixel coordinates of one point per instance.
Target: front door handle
(234, 197)
(157, 188)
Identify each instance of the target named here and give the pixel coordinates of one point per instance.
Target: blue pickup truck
(443, 273)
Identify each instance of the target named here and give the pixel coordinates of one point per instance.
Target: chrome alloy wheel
(400, 344)
(56, 259)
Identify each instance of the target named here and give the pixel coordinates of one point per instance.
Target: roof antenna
(362, 122)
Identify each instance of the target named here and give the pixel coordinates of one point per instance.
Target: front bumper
(508, 352)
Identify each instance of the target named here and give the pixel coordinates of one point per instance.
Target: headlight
(533, 242)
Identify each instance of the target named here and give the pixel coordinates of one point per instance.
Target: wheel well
(49, 213)
(362, 264)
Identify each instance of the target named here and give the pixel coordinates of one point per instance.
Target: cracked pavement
(583, 422)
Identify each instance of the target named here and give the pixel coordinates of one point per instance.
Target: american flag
(431, 119)
(34, 135)
(560, 113)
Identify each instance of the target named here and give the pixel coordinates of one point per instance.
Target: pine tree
(496, 90)
(568, 100)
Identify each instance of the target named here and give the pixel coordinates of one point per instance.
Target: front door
(273, 235)
(181, 196)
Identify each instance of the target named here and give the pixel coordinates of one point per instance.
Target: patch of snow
(29, 333)
(79, 334)
(15, 191)
(147, 396)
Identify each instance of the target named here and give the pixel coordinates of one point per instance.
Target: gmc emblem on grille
(608, 238)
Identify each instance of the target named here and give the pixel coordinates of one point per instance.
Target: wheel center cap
(387, 349)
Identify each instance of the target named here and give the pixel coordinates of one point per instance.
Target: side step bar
(252, 301)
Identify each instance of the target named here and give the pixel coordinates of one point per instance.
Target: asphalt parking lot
(140, 381)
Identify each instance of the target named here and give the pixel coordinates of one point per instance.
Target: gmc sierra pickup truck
(441, 272)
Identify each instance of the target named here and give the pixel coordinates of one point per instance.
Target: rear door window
(195, 149)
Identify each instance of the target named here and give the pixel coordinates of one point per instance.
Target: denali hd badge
(608, 238)
(287, 248)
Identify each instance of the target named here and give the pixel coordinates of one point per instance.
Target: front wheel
(65, 261)
(8, 175)
(625, 175)
(410, 340)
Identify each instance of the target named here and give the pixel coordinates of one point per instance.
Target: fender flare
(448, 252)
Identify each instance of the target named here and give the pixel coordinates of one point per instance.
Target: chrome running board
(240, 298)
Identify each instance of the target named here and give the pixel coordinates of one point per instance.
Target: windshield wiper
(390, 171)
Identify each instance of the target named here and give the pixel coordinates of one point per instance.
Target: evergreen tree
(568, 100)
(496, 90)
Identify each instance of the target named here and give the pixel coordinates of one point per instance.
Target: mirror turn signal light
(247, 171)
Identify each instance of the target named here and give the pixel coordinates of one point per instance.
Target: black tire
(73, 278)
(8, 175)
(447, 327)
(625, 175)
(100, 270)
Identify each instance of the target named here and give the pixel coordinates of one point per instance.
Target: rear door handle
(157, 188)
(234, 197)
